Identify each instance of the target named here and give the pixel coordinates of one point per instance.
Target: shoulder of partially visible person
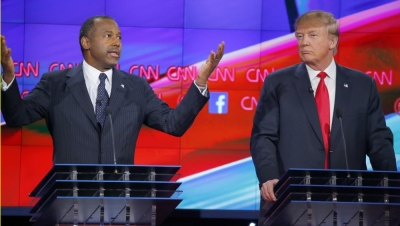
(357, 74)
(282, 76)
(131, 77)
(57, 78)
(135, 82)
(58, 73)
(282, 72)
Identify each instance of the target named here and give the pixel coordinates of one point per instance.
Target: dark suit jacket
(286, 132)
(61, 97)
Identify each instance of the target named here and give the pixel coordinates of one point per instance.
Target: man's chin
(112, 64)
(306, 60)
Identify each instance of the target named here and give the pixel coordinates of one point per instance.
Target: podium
(105, 195)
(336, 197)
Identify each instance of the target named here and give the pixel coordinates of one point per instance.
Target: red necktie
(322, 100)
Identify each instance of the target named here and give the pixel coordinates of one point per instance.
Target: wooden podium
(105, 195)
(336, 197)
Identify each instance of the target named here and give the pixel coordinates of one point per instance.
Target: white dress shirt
(330, 82)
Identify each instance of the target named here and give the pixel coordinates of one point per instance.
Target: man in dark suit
(295, 124)
(77, 103)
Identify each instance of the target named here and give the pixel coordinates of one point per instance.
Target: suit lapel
(76, 84)
(302, 85)
(118, 90)
(343, 90)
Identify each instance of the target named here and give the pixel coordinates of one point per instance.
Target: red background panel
(157, 156)
(372, 52)
(10, 174)
(37, 161)
(11, 136)
(225, 130)
(36, 134)
(150, 138)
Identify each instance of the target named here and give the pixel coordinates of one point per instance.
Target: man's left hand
(211, 63)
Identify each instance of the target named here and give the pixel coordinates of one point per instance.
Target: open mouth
(114, 53)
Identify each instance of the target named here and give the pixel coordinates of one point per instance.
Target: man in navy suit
(294, 128)
(71, 106)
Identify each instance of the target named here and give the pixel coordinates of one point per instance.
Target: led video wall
(166, 42)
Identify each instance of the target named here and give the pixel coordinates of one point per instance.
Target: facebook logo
(218, 103)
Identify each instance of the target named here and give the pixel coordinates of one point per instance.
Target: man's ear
(85, 42)
(333, 42)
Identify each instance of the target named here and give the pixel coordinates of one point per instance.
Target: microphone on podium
(108, 112)
(339, 115)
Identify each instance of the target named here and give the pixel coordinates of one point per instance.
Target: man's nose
(117, 42)
(305, 41)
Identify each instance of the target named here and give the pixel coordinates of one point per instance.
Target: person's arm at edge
(263, 141)
(380, 140)
(7, 64)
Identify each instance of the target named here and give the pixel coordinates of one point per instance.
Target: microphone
(99, 102)
(339, 115)
(310, 90)
(108, 112)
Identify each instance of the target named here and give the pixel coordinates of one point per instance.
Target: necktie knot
(322, 75)
(102, 77)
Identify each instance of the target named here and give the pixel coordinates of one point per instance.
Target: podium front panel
(336, 197)
(106, 195)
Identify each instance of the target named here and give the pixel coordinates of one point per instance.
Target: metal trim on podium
(336, 197)
(105, 195)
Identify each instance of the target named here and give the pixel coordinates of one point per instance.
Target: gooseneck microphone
(339, 115)
(108, 112)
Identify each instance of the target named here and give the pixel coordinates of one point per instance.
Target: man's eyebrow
(109, 31)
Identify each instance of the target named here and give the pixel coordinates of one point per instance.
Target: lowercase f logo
(218, 103)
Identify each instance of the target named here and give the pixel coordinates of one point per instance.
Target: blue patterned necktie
(101, 100)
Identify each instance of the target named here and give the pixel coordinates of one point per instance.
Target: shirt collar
(330, 70)
(93, 74)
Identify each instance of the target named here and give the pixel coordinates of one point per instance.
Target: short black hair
(87, 27)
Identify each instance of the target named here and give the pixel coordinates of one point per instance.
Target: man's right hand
(6, 61)
(267, 190)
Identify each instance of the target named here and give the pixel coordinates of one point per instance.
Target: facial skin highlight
(102, 49)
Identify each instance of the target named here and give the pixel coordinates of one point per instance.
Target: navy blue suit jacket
(61, 97)
(286, 131)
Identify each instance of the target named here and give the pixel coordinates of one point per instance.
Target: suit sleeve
(17, 111)
(265, 134)
(380, 140)
(173, 121)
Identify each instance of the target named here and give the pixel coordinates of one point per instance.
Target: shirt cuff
(202, 88)
(4, 85)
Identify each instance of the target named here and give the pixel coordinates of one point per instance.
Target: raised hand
(6, 61)
(211, 63)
